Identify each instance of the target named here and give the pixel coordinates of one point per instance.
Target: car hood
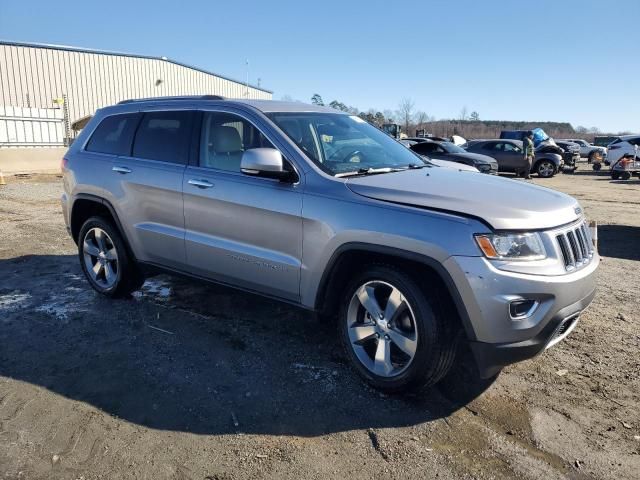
(504, 204)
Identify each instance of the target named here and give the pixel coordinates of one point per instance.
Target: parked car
(319, 209)
(588, 150)
(622, 145)
(440, 163)
(510, 157)
(571, 154)
(453, 153)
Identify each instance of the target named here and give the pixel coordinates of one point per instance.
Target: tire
(615, 175)
(105, 260)
(419, 325)
(596, 167)
(545, 169)
(625, 175)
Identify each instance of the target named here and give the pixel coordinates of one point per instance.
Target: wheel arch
(85, 206)
(350, 255)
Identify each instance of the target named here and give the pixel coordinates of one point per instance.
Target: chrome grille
(576, 246)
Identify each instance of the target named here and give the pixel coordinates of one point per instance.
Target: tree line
(467, 125)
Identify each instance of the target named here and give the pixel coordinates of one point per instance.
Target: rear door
(495, 150)
(241, 230)
(148, 186)
(513, 156)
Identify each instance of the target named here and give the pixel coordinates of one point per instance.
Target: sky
(545, 60)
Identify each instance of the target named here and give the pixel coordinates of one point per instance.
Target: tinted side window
(164, 136)
(114, 134)
(225, 137)
(493, 146)
(424, 147)
(510, 147)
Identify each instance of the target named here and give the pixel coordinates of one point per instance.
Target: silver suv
(318, 208)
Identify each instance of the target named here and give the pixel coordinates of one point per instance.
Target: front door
(241, 230)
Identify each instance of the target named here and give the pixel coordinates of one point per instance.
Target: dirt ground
(194, 381)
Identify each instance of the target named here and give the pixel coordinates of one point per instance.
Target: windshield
(452, 148)
(342, 144)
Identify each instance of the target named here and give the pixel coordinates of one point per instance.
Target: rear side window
(425, 147)
(114, 134)
(164, 136)
(493, 146)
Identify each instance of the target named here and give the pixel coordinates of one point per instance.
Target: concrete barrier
(31, 160)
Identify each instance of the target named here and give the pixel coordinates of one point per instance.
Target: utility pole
(247, 92)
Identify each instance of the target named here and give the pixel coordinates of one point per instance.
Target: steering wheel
(349, 156)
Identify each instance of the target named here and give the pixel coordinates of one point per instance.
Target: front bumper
(497, 339)
(492, 357)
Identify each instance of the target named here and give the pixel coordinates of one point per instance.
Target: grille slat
(577, 253)
(576, 246)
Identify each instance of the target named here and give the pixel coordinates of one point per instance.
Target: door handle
(121, 169)
(200, 183)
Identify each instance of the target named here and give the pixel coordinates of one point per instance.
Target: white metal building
(45, 88)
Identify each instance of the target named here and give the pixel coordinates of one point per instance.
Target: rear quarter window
(114, 134)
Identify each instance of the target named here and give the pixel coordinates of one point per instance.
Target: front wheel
(596, 167)
(625, 175)
(394, 334)
(105, 260)
(615, 175)
(545, 169)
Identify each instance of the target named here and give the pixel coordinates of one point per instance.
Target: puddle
(160, 290)
(12, 301)
(61, 306)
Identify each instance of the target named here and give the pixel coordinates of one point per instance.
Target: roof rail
(165, 99)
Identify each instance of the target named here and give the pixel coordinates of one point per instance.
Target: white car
(622, 145)
(588, 150)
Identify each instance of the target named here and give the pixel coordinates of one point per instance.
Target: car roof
(501, 140)
(627, 137)
(265, 106)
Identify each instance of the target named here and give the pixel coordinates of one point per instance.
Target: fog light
(519, 309)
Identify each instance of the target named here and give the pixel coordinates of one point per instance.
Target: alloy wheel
(382, 328)
(100, 258)
(545, 169)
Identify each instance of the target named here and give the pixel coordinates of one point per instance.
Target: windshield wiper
(369, 171)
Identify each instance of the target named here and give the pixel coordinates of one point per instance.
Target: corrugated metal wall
(33, 76)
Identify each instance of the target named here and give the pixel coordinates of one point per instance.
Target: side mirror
(267, 163)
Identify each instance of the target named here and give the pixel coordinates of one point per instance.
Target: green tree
(317, 99)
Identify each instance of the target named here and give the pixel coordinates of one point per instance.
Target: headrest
(225, 139)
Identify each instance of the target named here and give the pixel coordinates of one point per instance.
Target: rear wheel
(395, 336)
(615, 175)
(625, 175)
(105, 260)
(596, 166)
(545, 169)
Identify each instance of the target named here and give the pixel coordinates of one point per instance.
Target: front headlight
(512, 246)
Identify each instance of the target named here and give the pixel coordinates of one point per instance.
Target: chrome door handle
(121, 169)
(200, 183)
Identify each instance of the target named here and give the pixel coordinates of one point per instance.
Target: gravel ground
(194, 381)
